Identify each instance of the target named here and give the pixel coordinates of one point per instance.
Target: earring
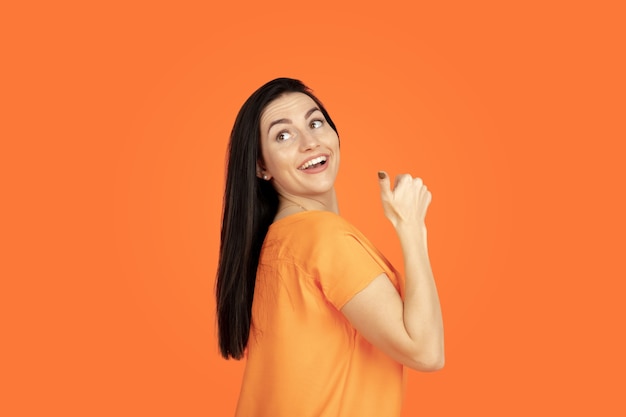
(265, 177)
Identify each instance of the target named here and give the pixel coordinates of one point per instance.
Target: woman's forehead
(287, 106)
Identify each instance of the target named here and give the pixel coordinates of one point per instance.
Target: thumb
(383, 182)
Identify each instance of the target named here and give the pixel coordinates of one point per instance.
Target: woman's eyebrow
(276, 122)
(310, 112)
(279, 121)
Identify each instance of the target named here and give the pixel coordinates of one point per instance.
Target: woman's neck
(288, 204)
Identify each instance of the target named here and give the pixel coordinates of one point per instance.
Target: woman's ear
(260, 172)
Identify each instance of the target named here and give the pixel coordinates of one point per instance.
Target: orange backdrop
(115, 119)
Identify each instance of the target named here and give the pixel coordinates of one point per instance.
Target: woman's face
(300, 150)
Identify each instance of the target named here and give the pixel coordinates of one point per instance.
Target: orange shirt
(303, 356)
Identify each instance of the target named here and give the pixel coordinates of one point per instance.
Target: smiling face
(300, 150)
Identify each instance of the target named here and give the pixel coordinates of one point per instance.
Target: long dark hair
(250, 205)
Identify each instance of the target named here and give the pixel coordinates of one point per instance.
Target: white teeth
(313, 162)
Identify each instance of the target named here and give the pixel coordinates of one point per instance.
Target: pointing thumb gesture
(407, 203)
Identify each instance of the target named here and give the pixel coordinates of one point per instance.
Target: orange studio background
(115, 118)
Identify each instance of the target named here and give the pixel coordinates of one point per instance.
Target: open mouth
(314, 163)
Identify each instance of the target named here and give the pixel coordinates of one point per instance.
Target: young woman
(325, 322)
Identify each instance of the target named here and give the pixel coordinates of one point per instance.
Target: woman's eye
(316, 124)
(282, 136)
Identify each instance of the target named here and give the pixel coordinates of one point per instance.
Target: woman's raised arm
(411, 332)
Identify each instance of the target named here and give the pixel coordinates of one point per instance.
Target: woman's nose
(308, 141)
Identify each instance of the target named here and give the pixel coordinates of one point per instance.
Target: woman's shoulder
(313, 234)
(313, 222)
(321, 241)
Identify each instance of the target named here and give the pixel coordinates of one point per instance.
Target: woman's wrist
(411, 231)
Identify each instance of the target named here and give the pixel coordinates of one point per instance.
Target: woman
(326, 323)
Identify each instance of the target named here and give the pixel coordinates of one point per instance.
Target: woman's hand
(405, 206)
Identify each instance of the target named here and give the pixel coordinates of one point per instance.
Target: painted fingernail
(381, 175)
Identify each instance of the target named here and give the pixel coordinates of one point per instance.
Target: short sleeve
(345, 265)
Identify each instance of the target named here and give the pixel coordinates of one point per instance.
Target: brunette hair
(249, 207)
